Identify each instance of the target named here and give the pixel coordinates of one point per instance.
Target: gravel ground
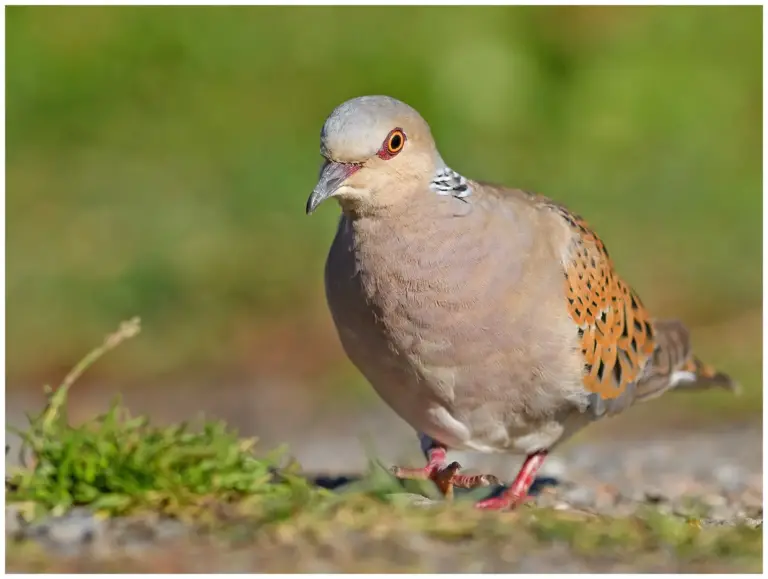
(713, 476)
(719, 474)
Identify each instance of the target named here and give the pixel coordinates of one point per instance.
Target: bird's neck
(426, 228)
(416, 210)
(434, 193)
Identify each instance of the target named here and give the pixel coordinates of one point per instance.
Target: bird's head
(377, 150)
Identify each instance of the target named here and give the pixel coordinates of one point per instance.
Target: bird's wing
(628, 356)
(615, 330)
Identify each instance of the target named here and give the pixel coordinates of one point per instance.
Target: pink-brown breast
(459, 323)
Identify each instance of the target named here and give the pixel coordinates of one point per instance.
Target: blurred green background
(158, 161)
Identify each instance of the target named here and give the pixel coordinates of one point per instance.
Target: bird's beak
(332, 175)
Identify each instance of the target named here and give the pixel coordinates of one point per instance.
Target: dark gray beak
(332, 175)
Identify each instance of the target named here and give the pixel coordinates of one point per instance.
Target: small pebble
(722, 513)
(714, 501)
(730, 477)
(654, 496)
(66, 533)
(580, 496)
(554, 467)
(606, 497)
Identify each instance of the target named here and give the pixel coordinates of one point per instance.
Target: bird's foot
(446, 477)
(517, 493)
(502, 502)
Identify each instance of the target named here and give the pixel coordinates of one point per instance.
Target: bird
(490, 319)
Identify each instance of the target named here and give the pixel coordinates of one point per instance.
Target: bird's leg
(445, 476)
(517, 492)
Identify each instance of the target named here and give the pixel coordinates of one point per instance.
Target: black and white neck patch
(448, 182)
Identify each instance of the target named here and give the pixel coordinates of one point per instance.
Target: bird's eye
(395, 141)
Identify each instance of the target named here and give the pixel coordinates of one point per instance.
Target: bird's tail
(673, 365)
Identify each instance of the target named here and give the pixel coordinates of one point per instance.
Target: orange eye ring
(395, 141)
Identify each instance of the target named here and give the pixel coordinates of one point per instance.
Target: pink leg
(445, 476)
(517, 493)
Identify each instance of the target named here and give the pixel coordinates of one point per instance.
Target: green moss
(118, 464)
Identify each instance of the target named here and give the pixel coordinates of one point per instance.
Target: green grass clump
(117, 464)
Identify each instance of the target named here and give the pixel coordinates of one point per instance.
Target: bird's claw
(447, 477)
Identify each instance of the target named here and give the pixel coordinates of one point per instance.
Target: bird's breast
(452, 331)
(436, 298)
